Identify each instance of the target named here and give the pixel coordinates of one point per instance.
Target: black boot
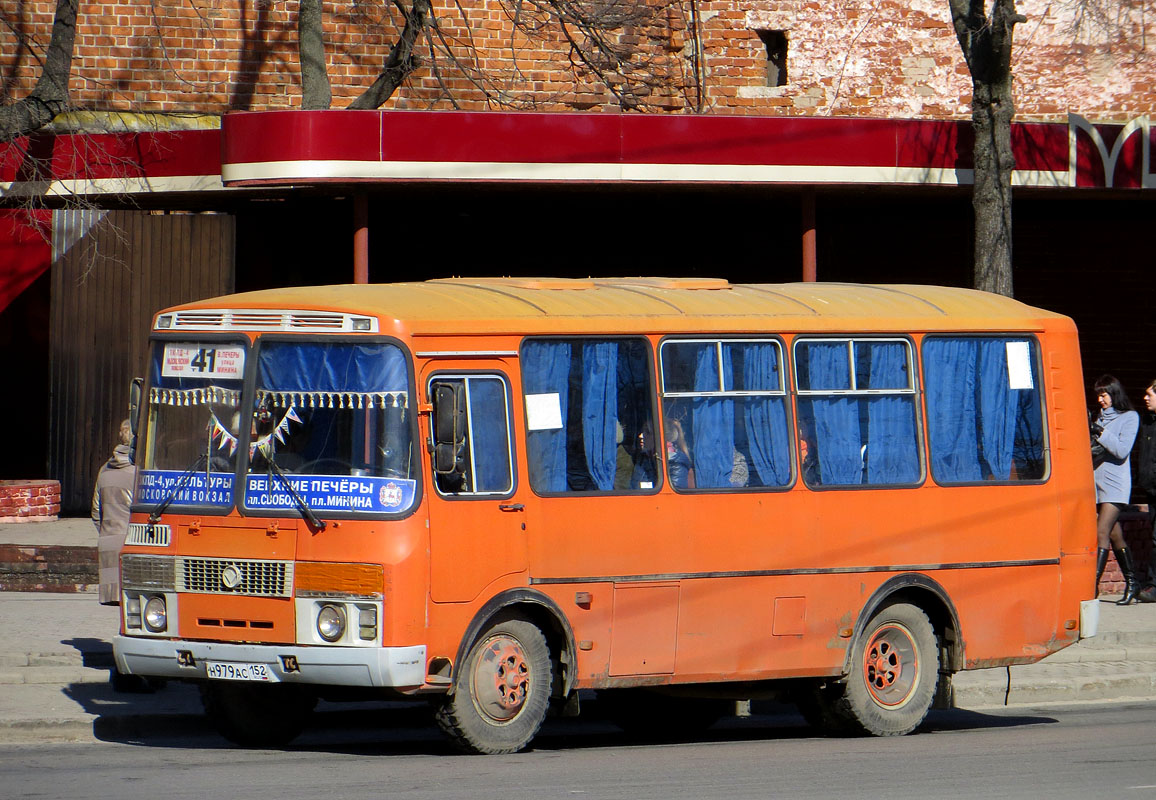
(1124, 559)
(1101, 562)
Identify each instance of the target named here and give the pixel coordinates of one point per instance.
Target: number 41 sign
(190, 361)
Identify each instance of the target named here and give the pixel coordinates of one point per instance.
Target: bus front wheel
(501, 690)
(894, 671)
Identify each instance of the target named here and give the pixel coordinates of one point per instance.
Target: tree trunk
(401, 60)
(992, 109)
(987, 46)
(50, 96)
(315, 91)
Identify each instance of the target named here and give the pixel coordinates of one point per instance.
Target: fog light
(155, 615)
(331, 622)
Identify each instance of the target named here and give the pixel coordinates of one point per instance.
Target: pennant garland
(266, 444)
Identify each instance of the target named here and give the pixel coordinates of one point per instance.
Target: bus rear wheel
(257, 715)
(894, 671)
(501, 692)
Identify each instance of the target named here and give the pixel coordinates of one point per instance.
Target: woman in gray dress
(1114, 429)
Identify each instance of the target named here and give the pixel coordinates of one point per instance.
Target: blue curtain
(1028, 451)
(998, 408)
(949, 368)
(336, 368)
(765, 417)
(836, 435)
(713, 424)
(600, 410)
(546, 370)
(491, 436)
(892, 447)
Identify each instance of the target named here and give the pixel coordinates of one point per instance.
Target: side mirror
(135, 391)
(449, 422)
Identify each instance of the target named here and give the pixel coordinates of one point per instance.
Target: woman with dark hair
(1114, 429)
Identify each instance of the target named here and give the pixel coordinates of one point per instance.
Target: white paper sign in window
(1019, 365)
(543, 412)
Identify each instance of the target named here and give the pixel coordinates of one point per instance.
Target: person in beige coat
(110, 508)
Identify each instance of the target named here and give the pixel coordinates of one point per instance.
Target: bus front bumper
(384, 667)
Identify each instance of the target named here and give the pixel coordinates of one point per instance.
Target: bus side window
(589, 415)
(984, 416)
(857, 419)
(725, 410)
(471, 435)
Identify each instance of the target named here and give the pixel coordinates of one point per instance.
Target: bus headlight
(331, 622)
(156, 616)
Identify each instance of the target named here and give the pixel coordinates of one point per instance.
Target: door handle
(511, 507)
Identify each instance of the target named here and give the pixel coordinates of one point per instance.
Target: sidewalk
(56, 652)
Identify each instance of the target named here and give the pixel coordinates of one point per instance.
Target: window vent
(265, 320)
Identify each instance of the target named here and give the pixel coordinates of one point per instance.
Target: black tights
(1107, 527)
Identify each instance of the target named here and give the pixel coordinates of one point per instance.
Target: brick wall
(29, 501)
(878, 58)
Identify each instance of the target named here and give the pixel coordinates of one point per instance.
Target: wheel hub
(891, 665)
(501, 679)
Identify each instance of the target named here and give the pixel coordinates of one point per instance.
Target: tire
(501, 692)
(658, 717)
(894, 673)
(257, 715)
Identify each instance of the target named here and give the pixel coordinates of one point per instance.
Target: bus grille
(147, 572)
(235, 576)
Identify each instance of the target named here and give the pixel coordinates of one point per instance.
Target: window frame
(914, 390)
(783, 391)
(145, 441)
(250, 398)
(652, 399)
(511, 451)
(1038, 376)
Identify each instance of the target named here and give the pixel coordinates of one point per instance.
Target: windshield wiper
(306, 512)
(155, 515)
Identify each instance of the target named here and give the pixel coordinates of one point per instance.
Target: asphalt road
(1069, 751)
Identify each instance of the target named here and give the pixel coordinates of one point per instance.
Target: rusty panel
(645, 625)
(122, 267)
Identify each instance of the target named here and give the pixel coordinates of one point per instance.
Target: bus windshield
(189, 453)
(331, 424)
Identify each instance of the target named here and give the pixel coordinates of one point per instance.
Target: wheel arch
(542, 611)
(928, 595)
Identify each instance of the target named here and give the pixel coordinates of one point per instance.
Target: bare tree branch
(401, 61)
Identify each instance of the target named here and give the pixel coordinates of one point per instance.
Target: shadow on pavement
(401, 729)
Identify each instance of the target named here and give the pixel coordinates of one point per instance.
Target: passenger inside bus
(679, 465)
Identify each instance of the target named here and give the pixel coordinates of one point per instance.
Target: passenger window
(473, 451)
(589, 417)
(725, 414)
(857, 421)
(984, 416)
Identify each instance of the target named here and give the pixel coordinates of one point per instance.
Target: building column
(360, 238)
(810, 265)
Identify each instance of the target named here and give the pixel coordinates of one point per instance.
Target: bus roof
(560, 305)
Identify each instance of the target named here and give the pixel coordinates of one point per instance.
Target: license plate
(234, 671)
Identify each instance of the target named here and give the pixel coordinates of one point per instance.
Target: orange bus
(492, 494)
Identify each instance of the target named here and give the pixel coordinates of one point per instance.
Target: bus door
(476, 514)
